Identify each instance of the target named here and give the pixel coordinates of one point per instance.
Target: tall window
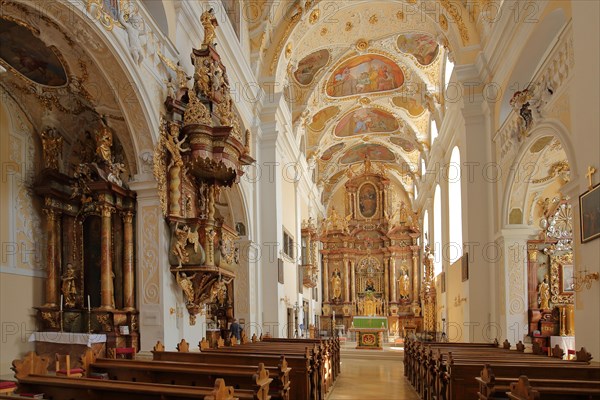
(433, 130)
(288, 244)
(455, 206)
(426, 236)
(448, 71)
(437, 230)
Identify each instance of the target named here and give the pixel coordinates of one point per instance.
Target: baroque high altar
(371, 259)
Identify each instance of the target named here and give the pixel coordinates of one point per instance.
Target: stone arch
(549, 128)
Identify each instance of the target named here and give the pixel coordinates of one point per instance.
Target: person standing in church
(236, 330)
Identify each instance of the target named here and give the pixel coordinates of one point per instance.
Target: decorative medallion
(314, 16)
(362, 45)
(422, 46)
(310, 65)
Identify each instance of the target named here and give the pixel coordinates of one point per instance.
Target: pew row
(32, 376)
(302, 379)
(263, 381)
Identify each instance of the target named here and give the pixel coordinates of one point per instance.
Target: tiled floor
(372, 375)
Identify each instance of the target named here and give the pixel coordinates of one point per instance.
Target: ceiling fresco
(364, 74)
(310, 65)
(29, 56)
(366, 120)
(367, 77)
(373, 152)
(421, 46)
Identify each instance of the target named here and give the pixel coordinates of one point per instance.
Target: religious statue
(404, 283)
(209, 22)
(544, 293)
(52, 147)
(104, 142)
(179, 250)
(186, 285)
(336, 284)
(69, 290)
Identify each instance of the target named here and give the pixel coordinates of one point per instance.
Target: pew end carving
(31, 364)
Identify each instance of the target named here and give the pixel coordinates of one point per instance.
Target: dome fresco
(366, 120)
(373, 152)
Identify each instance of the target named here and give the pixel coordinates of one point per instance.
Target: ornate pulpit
(201, 150)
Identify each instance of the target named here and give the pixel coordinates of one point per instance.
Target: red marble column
(51, 265)
(106, 273)
(128, 274)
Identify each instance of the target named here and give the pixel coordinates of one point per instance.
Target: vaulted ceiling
(363, 78)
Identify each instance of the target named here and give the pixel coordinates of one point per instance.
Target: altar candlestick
(89, 306)
(61, 302)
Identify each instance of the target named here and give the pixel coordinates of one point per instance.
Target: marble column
(51, 265)
(325, 280)
(570, 320)
(106, 273)
(58, 249)
(352, 281)
(347, 279)
(386, 278)
(415, 276)
(394, 295)
(128, 275)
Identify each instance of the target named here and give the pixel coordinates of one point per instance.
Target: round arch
(548, 128)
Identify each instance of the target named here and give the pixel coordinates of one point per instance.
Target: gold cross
(590, 172)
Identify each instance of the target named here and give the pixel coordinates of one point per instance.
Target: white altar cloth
(86, 339)
(564, 342)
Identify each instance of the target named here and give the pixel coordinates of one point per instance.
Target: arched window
(437, 230)
(448, 72)
(455, 206)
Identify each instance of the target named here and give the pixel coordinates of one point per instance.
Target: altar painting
(366, 120)
(29, 56)
(365, 74)
(373, 152)
(367, 200)
(310, 65)
(423, 47)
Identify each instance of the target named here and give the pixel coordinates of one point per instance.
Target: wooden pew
(322, 360)
(190, 374)
(522, 390)
(493, 387)
(448, 370)
(300, 374)
(63, 388)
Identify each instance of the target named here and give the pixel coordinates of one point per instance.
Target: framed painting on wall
(589, 214)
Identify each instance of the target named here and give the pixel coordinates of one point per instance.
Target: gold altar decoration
(428, 292)
(310, 254)
(202, 148)
(561, 281)
(370, 258)
(544, 293)
(89, 237)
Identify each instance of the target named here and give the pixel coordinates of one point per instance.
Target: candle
(89, 306)
(61, 302)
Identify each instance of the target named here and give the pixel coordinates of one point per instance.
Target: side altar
(369, 331)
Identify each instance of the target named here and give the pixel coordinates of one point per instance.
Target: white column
(584, 103)
(478, 212)
(156, 288)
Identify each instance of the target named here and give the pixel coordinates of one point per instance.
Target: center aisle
(372, 375)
